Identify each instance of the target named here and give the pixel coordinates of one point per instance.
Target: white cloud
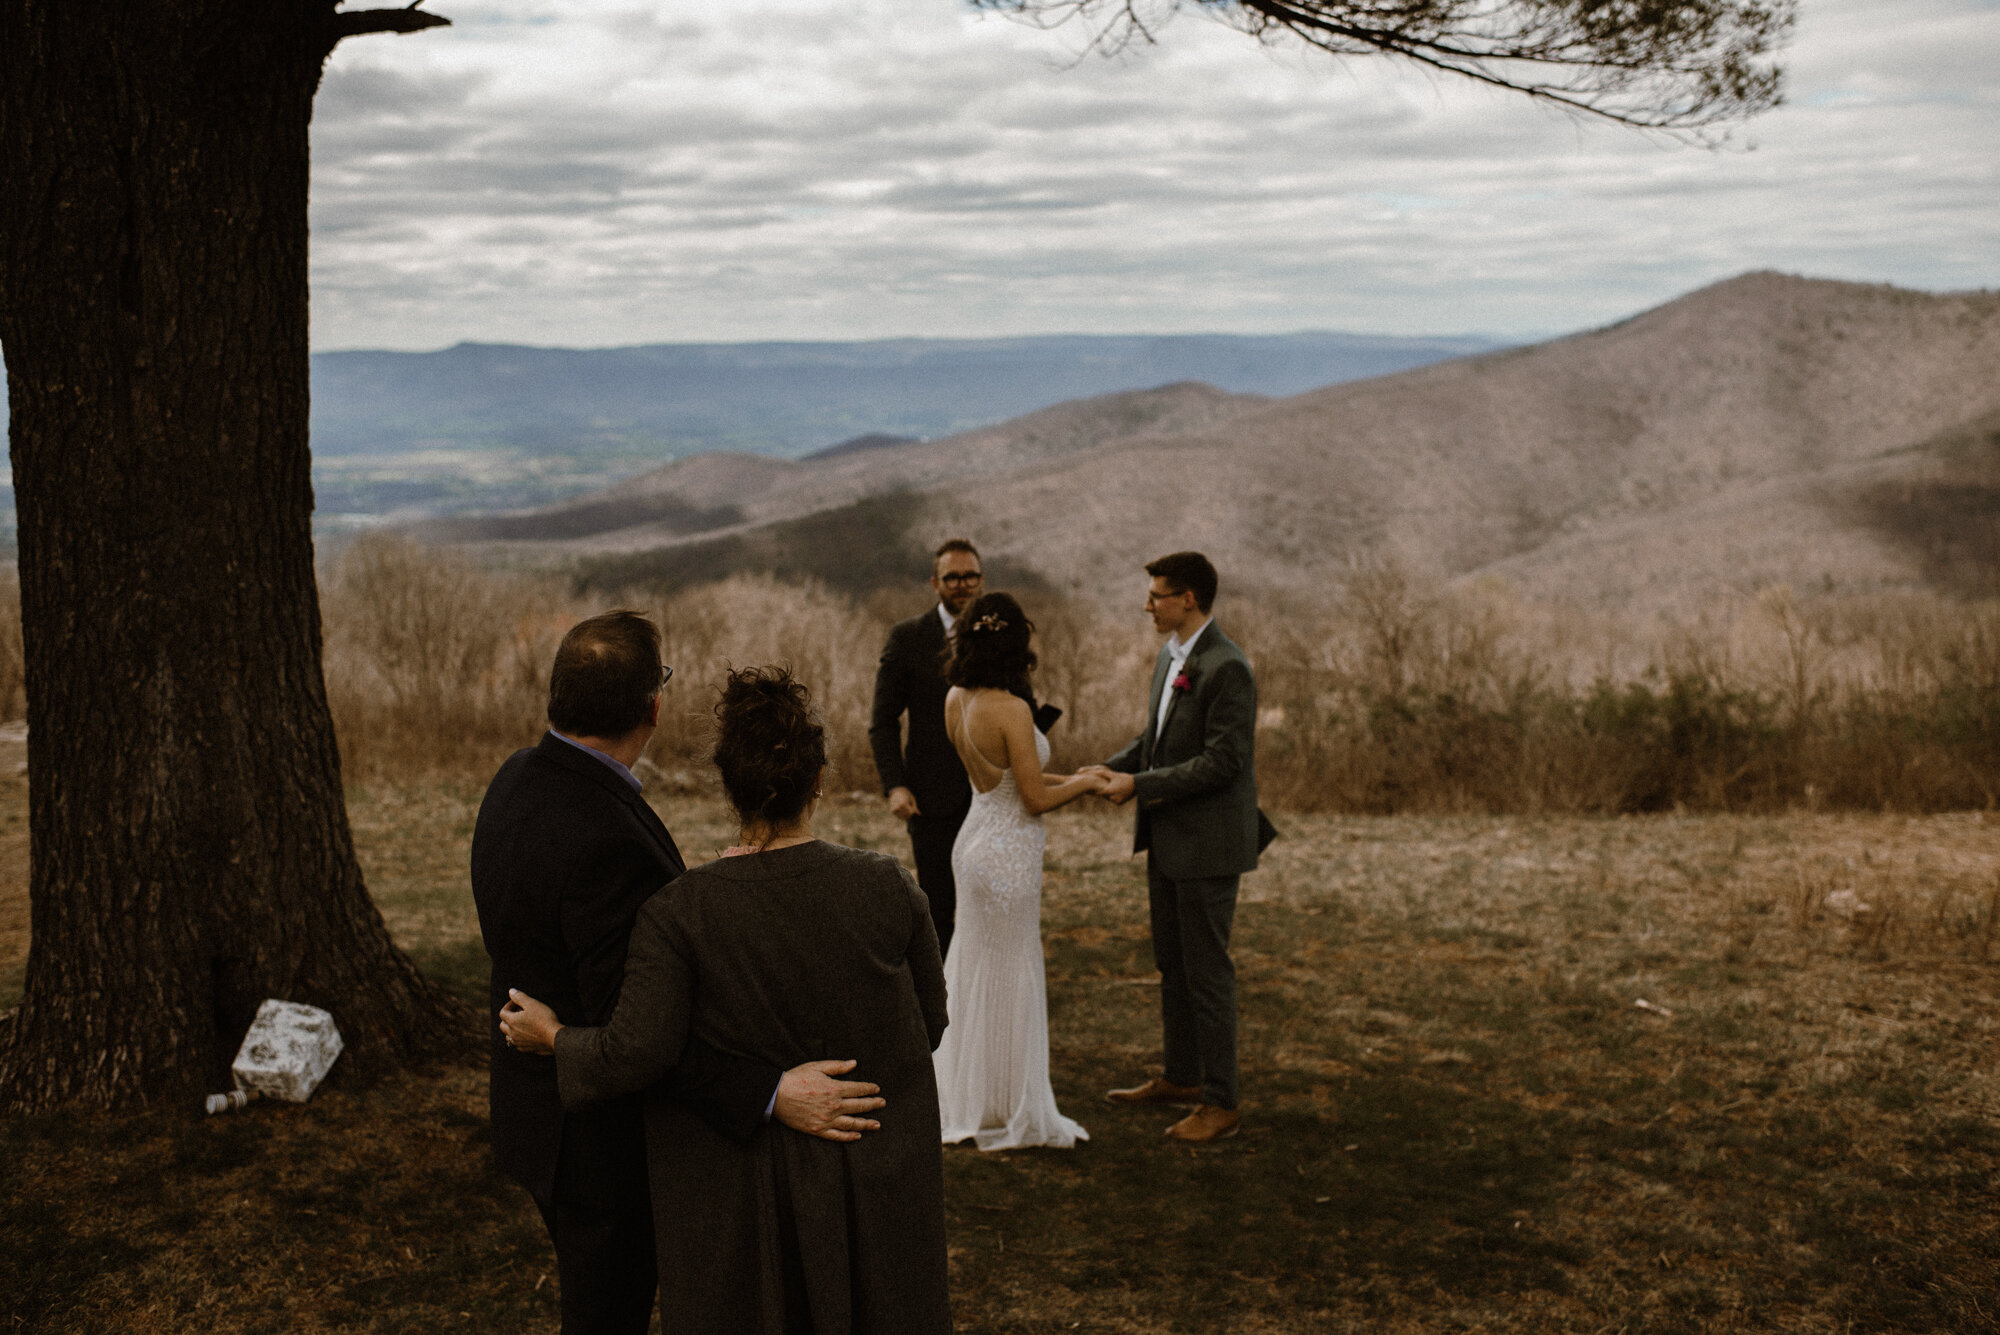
(601, 171)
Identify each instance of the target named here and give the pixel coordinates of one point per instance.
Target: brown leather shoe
(1205, 1124)
(1156, 1090)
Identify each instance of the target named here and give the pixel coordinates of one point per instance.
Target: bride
(993, 1066)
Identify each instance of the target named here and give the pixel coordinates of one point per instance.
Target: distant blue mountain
(493, 426)
(666, 401)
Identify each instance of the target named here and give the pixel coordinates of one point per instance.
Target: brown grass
(1456, 1116)
(436, 668)
(1390, 695)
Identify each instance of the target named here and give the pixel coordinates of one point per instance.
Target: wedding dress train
(993, 1066)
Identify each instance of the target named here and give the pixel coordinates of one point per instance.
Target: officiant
(920, 772)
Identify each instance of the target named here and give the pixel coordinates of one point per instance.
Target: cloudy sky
(596, 172)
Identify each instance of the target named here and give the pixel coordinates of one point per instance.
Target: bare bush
(433, 665)
(1393, 694)
(1402, 695)
(827, 642)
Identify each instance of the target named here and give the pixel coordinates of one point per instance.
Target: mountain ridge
(1765, 429)
(791, 398)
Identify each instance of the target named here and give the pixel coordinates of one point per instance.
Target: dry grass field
(1390, 695)
(1457, 1116)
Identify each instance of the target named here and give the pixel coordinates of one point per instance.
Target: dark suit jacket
(797, 954)
(910, 679)
(563, 854)
(1195, 787)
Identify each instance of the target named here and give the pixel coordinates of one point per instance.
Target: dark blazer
(563, 854)
(1195, 787)
(910, 679)
(794, 955)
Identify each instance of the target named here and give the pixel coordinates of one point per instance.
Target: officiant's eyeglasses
(1152, 597)
(666, 674)
(957, 581)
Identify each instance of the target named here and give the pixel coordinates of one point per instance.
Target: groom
(1192, 769)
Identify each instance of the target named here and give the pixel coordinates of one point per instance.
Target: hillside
(733, 490)
(1768, 428)
(485, 427)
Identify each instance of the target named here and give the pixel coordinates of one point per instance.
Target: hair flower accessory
(991, 621)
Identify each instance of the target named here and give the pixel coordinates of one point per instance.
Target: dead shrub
(432, 664)
(1393, 694)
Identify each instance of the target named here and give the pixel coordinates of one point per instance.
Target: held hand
(902, 803)
(529, 1026)
(1118, 788)
(812, 1101)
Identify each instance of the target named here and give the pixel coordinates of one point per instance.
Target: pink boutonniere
(1183, 682)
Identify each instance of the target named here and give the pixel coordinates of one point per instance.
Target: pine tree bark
(190, 847)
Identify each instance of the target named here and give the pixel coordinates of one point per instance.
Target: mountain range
(495, 426)
(1767, 429)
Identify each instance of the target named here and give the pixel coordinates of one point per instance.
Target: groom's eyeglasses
(960, 581)
(666, 675)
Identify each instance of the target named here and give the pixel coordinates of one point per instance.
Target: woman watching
(793, 949)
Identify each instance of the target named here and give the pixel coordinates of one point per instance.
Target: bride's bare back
(977, 724)
(993, 732)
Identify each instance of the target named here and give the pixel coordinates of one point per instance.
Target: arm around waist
(647, 1031)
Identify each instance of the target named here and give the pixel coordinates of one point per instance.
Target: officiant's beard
(956, 597)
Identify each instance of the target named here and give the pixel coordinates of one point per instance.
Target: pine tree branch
(1679, 66)
(358, 22)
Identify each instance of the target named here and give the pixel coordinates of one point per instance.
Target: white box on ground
(287, 1051)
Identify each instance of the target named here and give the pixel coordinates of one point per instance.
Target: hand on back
(811, 1100)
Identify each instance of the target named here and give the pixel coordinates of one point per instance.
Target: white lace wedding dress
(993, 1066)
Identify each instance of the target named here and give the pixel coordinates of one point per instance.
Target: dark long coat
(800, 954)
(563, 855)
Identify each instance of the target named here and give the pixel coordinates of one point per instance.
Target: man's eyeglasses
(1152, 597)
(666, 674)
(956, 581)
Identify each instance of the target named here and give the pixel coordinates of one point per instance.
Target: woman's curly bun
(990, 645)
(769, 746)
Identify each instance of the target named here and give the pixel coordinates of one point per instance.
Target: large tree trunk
(190, 847)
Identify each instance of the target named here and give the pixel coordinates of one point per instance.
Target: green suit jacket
(1195, 785)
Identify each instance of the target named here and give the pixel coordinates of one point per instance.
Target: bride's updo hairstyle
(769, 747)
(989, 645)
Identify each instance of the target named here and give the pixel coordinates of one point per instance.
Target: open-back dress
(993, 1065)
